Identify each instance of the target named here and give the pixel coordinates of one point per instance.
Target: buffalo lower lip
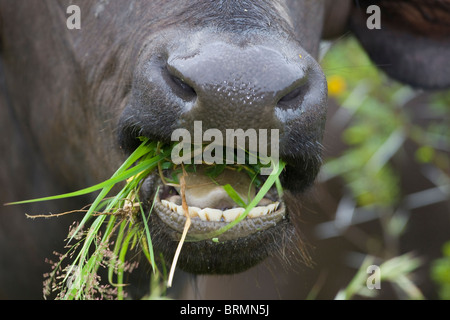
(199, 228)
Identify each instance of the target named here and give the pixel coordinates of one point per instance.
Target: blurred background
(382, 197)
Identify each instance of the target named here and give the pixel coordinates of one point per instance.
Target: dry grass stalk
(187, 225)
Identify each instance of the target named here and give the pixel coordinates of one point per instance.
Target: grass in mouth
(114, 226)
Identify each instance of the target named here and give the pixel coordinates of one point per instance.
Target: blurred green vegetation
(379, 125)
(376, 122)
(440, 272)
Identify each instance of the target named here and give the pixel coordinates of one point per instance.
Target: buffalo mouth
(208, 249)
(211, 209)
(270, 229)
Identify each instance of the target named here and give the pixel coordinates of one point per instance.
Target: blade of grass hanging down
(118, 243)
(93, 231)
(93, 263)
(57, 267)
(86, 263)
(151, 255)
(121, 266)
(94, 228)
(186, 227)
(120, 175)
(120, 236)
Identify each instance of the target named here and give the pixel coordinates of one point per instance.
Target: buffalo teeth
(173, 206)
(168, 204)
(209, 214)
(193, 211)
(165, 203)
(273, 207)
(179, 210)
(258, 211)
(232, 214)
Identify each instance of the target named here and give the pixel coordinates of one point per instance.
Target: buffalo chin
(229, 253)
(228, 257)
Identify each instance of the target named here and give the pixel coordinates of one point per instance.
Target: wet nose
(227, 86)
(271, 85)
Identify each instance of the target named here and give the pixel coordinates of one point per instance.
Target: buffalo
(75, 100)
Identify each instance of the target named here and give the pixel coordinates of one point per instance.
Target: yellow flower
(336, 86)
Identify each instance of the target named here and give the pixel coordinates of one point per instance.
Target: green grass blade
(234, 195)
(118, 243)
(105, 185)
(142, 150)
(121, 266)
(151, 254)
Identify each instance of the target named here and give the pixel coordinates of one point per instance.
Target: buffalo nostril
(291, 95)
(180, 87)
(294, 94)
